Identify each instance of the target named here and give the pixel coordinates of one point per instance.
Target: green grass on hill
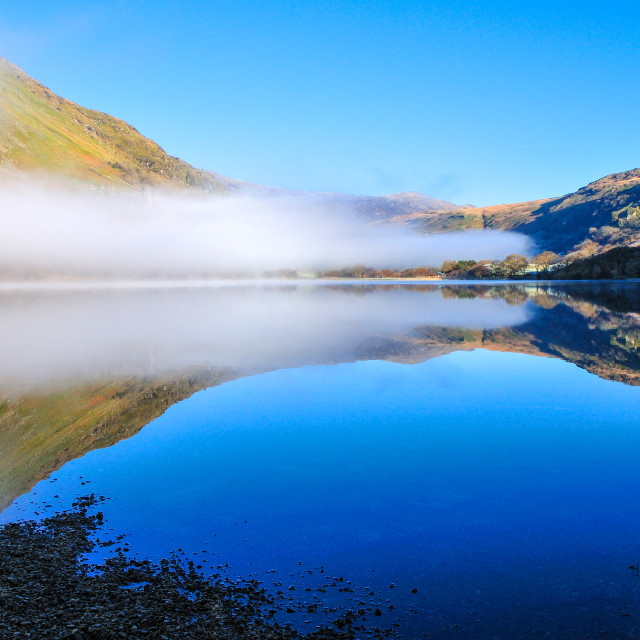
(42, 131)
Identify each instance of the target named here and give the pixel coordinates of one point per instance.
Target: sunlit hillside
(598, 217)
(42, 131)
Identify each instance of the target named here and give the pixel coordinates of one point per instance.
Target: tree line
(513, 267)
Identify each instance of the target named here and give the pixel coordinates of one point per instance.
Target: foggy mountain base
(65, 230)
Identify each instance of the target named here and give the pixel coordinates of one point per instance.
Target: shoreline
(107, 285)
(49, 591)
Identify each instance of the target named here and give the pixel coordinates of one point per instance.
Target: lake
(461, 456)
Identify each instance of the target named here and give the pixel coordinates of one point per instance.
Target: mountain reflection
(85, 367)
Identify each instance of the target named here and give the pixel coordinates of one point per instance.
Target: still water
(465, 458)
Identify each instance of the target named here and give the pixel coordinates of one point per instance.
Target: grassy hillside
(42, 131)
(598, 217)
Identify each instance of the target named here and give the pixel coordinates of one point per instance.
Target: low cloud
(51, 229)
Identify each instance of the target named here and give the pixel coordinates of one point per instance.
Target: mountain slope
(598, 217)
(39, 130)
(618, 263)
(42, 131)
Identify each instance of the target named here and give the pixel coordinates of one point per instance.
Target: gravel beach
(49, 591)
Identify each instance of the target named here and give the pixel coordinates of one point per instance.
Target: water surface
(467, 454)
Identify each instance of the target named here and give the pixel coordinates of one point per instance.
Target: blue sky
(470, 102)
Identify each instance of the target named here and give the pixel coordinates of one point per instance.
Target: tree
(544, 260)
(465, 265)
(480, 271)
(514, 265)
(586, 249)
(448, 266)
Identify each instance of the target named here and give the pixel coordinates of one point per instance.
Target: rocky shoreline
(49, 591)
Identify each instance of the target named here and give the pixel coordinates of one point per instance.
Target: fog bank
(51, 229)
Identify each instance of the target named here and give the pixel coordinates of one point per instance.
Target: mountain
(39, 130)
(603, 215)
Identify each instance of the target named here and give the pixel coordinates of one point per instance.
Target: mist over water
(63, 334)
(54, 229)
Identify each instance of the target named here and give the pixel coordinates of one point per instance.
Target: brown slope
(605, 211)
(39, 130)
(604, 214)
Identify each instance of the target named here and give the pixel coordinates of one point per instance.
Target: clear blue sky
(480, 102)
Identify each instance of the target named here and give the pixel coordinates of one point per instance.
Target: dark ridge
(616, 264)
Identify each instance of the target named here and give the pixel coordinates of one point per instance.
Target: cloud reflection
(53, 334)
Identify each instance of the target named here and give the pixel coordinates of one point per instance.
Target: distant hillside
(42, 131)
(375, 207)
(598, 217)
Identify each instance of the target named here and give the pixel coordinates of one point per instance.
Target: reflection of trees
(511, 294)
(616, 296)
(627, 339)
(544, 300)
(514, 295)
(460, 293)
